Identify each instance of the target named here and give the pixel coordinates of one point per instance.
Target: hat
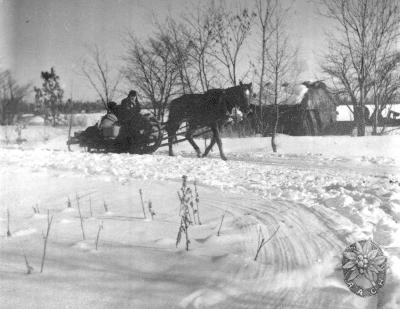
(132, 93)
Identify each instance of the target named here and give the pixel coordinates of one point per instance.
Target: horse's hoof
(224, 158)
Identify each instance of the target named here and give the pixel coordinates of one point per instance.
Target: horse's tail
(175, 113)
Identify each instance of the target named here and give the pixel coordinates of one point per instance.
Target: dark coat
(127, 110)
(126, 104)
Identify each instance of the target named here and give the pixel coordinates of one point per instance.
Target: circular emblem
(364, 268)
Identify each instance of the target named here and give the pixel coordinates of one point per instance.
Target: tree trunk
(273, 142)
(359, 119)
(375, 120)
(361, 124)
(263, 48)
(273, 137)
(360, 110)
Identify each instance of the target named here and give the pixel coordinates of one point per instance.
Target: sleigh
(139, 135)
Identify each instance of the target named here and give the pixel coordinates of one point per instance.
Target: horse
(211, 109)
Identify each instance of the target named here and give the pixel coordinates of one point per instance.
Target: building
(309, 110)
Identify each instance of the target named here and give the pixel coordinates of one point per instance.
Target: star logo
(364, 268)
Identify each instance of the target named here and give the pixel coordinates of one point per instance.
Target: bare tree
(100, 75)
(11, 97)
(265, 10)
(152, 68)
(367, 30)
(200, 30)
(180, 48)
(233, 28)
(281, 63)
(385, 87)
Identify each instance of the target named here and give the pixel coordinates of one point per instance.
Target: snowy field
(321, 193)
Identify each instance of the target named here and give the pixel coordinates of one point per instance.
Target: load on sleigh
(122, 129)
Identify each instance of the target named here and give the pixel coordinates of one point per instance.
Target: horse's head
(245, 95)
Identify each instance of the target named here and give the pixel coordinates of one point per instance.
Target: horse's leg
(170, 141)
(189, 137)
(219, 143)
(209, 147)
(171, 130)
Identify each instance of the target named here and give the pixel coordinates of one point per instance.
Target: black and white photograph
(223, 154)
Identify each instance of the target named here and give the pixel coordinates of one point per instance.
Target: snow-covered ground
(345, 112)
(323, 193)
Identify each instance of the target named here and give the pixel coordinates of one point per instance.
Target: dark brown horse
(211, 109)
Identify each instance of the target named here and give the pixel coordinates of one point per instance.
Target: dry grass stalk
(36, 209)
(80, 217)
(141, 200)
(262, 242)
(220, 225)
(184, 213)
(197, 200)
(98, 234)
(105, 206)
(186, 200)
(49, 221)
(8, 223)
(29, 268)
(151, 211)
(183, 228)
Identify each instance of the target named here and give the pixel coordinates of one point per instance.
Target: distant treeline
(70, 106)
(83, 107)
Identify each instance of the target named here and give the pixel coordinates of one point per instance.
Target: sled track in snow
(279, 278)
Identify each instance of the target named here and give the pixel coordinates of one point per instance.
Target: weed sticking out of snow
(90, 207)
(142, 203)
(98, 235)
(46, 238)
(80, 217)
(151, 211)
(220, 224)
(262, 241)
(105, 207)
(8, 223)
(36, 209)
(186, 205)
(29, 268)
(196, 211)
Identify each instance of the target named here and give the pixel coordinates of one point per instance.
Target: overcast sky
(39, 34)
